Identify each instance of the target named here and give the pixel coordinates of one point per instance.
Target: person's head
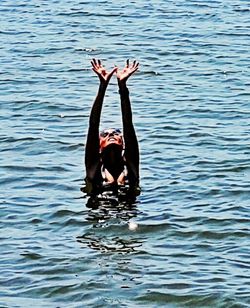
(111, 136)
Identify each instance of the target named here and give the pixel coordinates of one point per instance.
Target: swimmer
(112, 157)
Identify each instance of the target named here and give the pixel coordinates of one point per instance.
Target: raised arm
(92, 144)
(131, 144)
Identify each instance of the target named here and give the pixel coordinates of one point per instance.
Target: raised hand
(99, 69)
(128, 70)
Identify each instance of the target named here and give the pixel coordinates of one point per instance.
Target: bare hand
(128, 70)
(99, 69)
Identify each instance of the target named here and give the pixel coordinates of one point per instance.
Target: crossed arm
(131, 144)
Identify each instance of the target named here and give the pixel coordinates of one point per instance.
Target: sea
(185, 241)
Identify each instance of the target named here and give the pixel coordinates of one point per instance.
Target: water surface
(191, 111)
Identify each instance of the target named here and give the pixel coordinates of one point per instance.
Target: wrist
(103, 86)
(122, 85)
(123, 90)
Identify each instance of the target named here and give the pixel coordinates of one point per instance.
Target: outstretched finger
(114, 70)
(135, 69)
(94, 63)
(94, 70)
(127, 63)
(135, 64)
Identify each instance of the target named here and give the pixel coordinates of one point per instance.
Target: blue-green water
(191, 111)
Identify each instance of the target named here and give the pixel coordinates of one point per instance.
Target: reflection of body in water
(112, 158)
(110, 228)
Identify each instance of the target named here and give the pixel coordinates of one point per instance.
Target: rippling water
(191, 112)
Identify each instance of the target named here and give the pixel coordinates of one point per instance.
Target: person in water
(112, 158)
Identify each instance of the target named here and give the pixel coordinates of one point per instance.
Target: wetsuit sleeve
(131, 144)
(92, 156)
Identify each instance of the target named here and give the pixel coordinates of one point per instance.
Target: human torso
(105, 185)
